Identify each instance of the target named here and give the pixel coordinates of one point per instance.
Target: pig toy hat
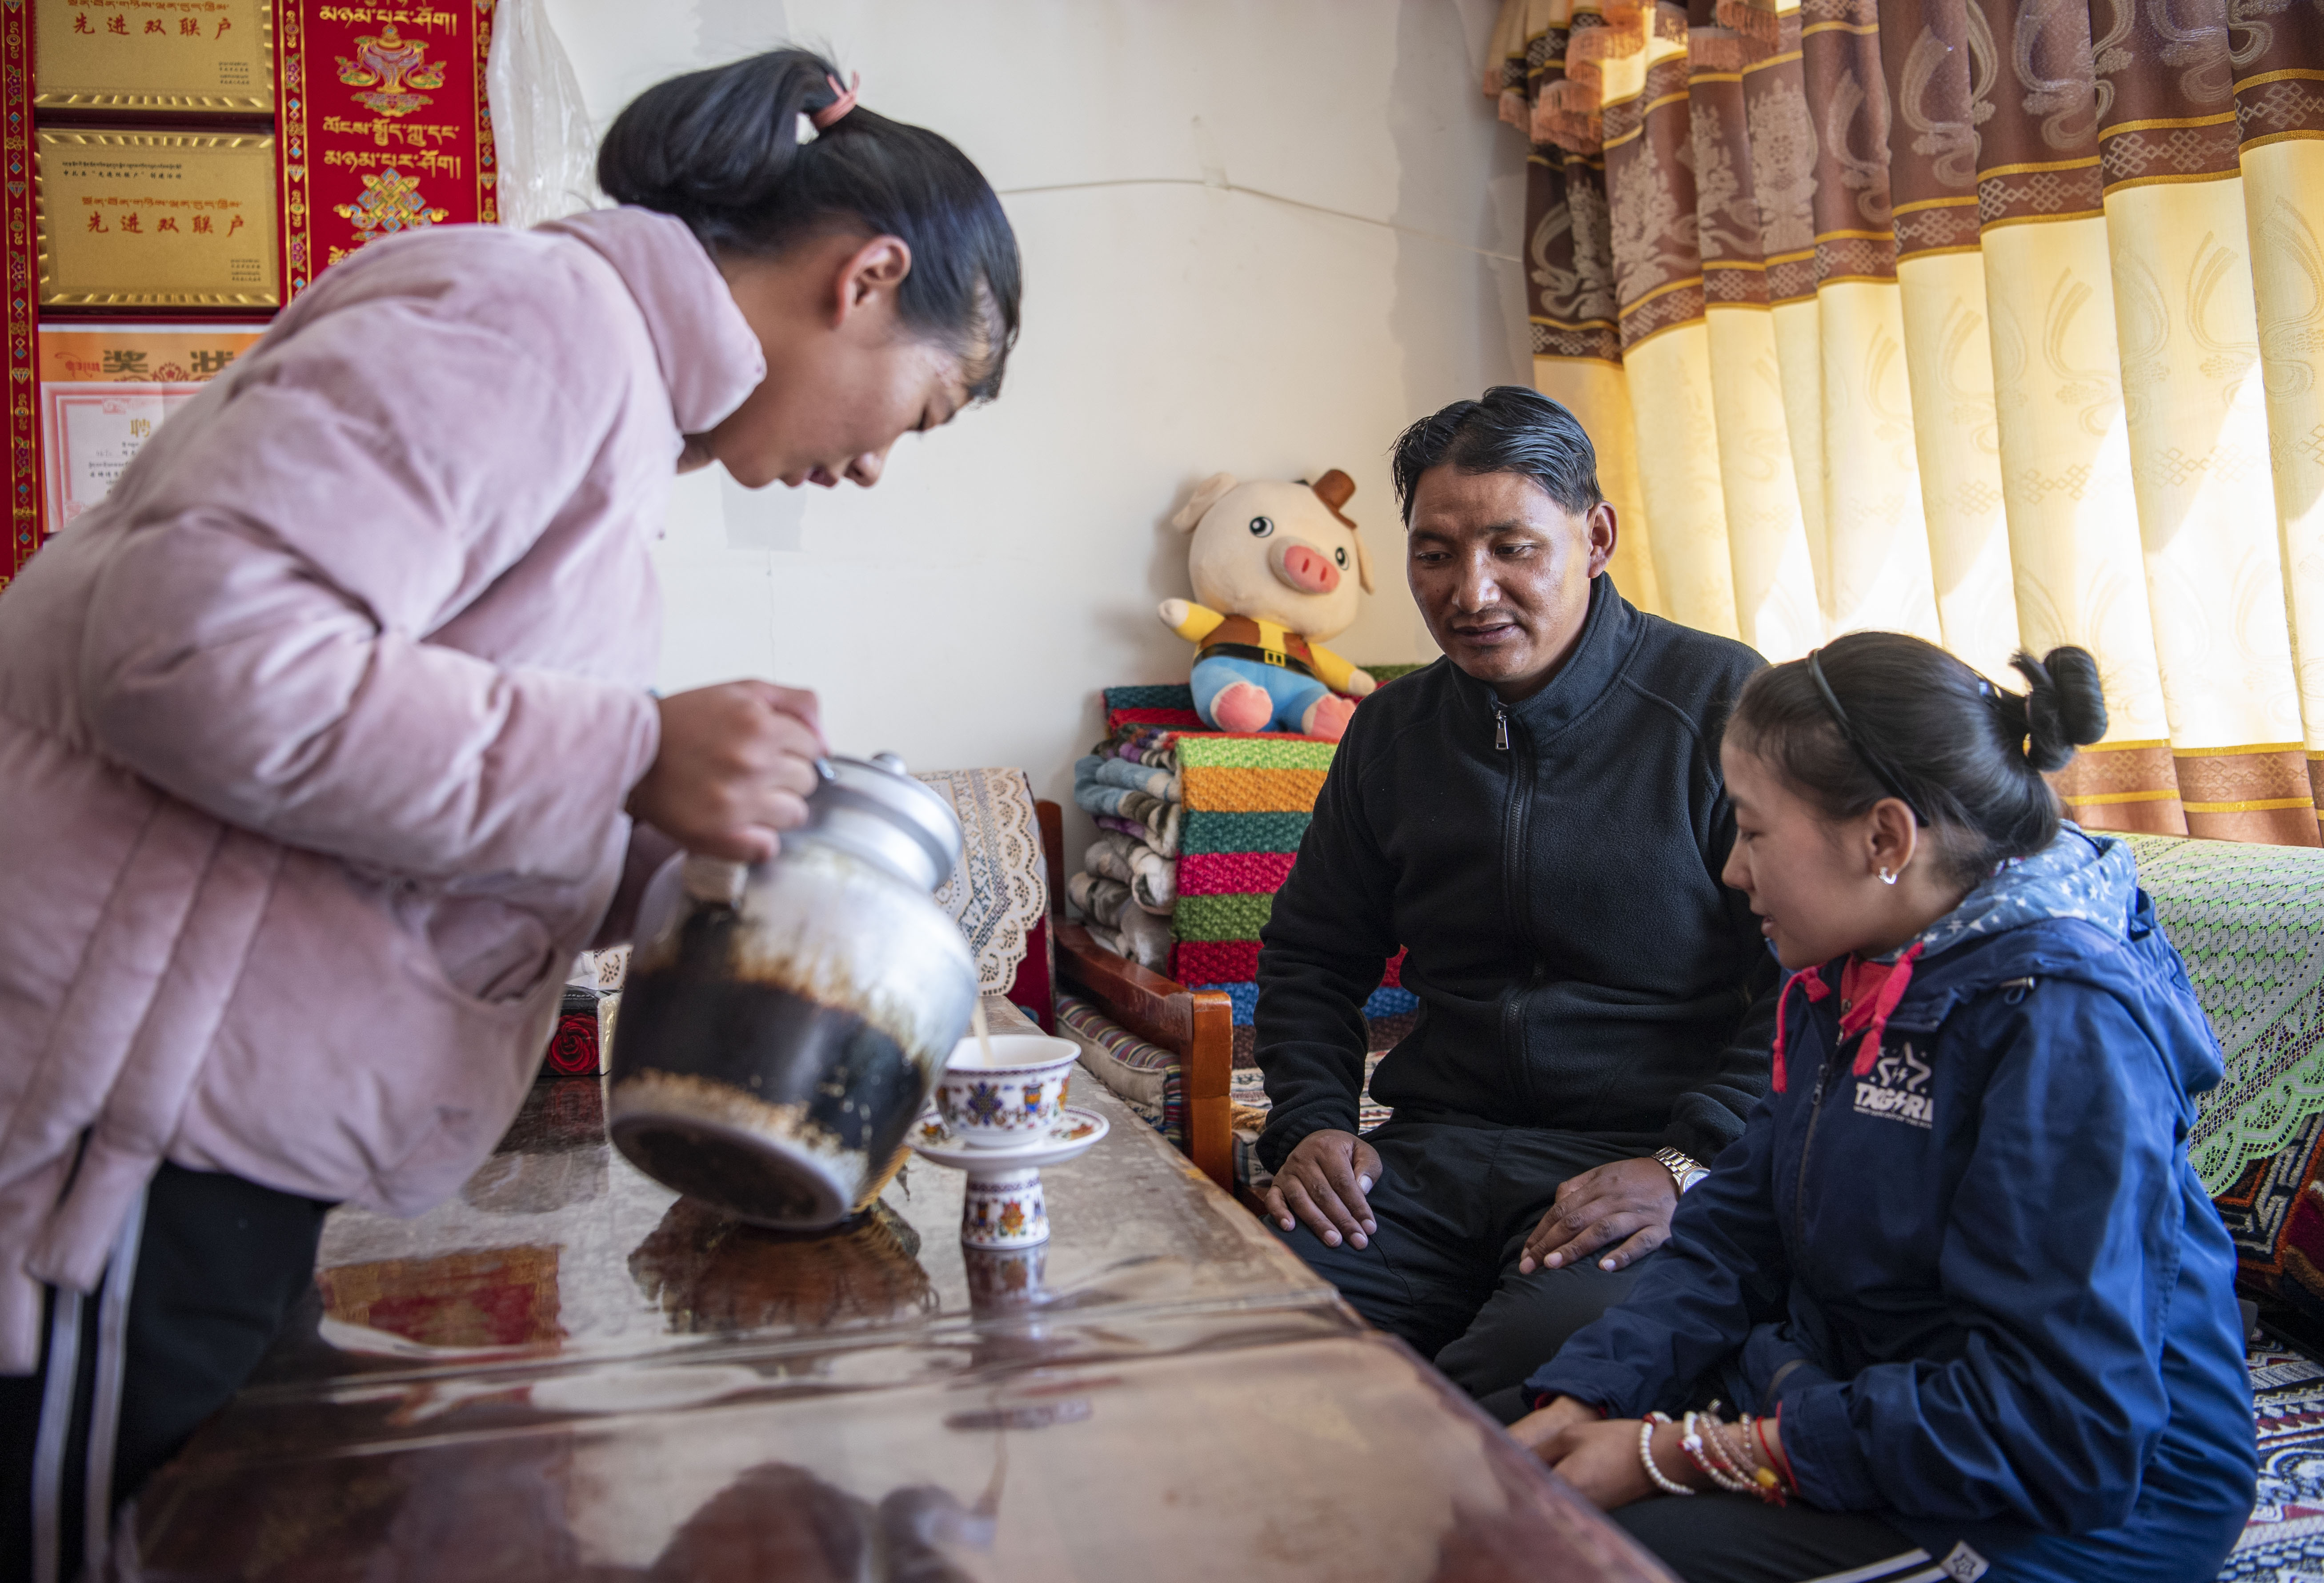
(1271, 564)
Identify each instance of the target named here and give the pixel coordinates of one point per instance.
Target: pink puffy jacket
(314, 736)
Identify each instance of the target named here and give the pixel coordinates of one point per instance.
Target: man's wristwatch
(1685, 1169)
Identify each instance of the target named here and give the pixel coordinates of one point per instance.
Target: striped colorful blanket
(1248, 802)
(1247, 799)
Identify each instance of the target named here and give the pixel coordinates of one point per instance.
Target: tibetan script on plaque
(157, 220)
(386, 126)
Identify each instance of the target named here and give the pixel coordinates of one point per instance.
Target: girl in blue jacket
(1969, 1312)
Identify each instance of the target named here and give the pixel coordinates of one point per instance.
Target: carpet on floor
(2285, 1540)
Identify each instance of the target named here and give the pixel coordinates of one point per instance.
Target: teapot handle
(712, 879)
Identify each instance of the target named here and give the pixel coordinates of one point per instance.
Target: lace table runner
(998, 889)
(2249, 920)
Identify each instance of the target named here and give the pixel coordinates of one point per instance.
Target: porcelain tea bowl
(1010, 1100)
(1004, 1206)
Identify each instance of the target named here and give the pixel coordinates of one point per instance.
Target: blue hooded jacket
(1982, 1282)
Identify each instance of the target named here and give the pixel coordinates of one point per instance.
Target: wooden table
(568, 1373)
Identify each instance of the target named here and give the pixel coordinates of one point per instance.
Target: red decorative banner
(385, 127)
(16, 204)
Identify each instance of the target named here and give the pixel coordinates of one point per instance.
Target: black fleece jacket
(1578, 965)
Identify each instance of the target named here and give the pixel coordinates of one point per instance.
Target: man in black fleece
(1538, 818)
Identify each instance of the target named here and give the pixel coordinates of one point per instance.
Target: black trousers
(1454, 1205)
(1733, 1539)
(214, 1266)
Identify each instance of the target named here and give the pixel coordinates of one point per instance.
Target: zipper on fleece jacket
(1807, 1142)
(1516, 903)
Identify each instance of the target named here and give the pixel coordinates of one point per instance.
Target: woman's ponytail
(720, 149)
(711, 146)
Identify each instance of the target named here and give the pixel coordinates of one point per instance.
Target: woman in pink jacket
(325, 742)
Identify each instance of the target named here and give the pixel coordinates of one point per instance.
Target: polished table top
(568, 1372)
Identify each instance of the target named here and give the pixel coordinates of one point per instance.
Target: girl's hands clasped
(735, 766)
(1600, 1460)
(1598, 1457)
(1612, 1462)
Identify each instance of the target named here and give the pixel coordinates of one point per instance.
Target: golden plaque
(181, 55)
(157, 220)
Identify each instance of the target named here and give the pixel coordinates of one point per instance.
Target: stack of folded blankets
(1129, 885)
(1197, 831)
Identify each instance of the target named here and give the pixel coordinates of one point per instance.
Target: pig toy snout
(1303, 567)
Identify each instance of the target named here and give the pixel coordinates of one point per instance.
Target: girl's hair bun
(720, 149)
(2065, 707)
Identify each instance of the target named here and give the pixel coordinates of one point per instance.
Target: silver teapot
(784, 1023)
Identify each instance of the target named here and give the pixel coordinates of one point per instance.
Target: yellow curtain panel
(1998, 321)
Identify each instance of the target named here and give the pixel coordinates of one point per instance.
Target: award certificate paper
(105, 388)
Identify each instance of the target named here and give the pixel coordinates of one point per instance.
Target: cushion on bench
(1142, 1075)
(2276, 1213)
(1146, 1077)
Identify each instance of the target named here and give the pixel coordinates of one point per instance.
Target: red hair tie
(830, 114)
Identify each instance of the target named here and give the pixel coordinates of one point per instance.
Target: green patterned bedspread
(2249, 920)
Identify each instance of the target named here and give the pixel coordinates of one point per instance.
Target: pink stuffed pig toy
(1277, 570)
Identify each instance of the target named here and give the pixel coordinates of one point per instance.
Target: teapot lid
(873, 809)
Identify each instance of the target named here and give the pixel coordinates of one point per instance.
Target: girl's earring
(1886, 878)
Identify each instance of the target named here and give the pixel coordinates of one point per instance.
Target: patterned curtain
(1998, 321)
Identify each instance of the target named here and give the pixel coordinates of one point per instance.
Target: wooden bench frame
(1197, 1025)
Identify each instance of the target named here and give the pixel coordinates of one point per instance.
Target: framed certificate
(195, 57)
(105, 388)
(157, 220)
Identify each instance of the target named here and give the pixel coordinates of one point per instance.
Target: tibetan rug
(2285, 1540)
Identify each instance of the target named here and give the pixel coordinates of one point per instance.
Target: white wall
(1258, 237)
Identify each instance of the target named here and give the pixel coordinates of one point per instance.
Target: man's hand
(1629, 1202)
(736, 764)
(1324, 1182)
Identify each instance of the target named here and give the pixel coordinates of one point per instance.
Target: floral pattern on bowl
(1004, 1211)
(1013, 1099)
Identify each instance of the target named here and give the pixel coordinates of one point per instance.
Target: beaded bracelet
(1781, 1465)
(1766, 1483)
(1707, 1447)
(1662, 1481)
(1710, 1464)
